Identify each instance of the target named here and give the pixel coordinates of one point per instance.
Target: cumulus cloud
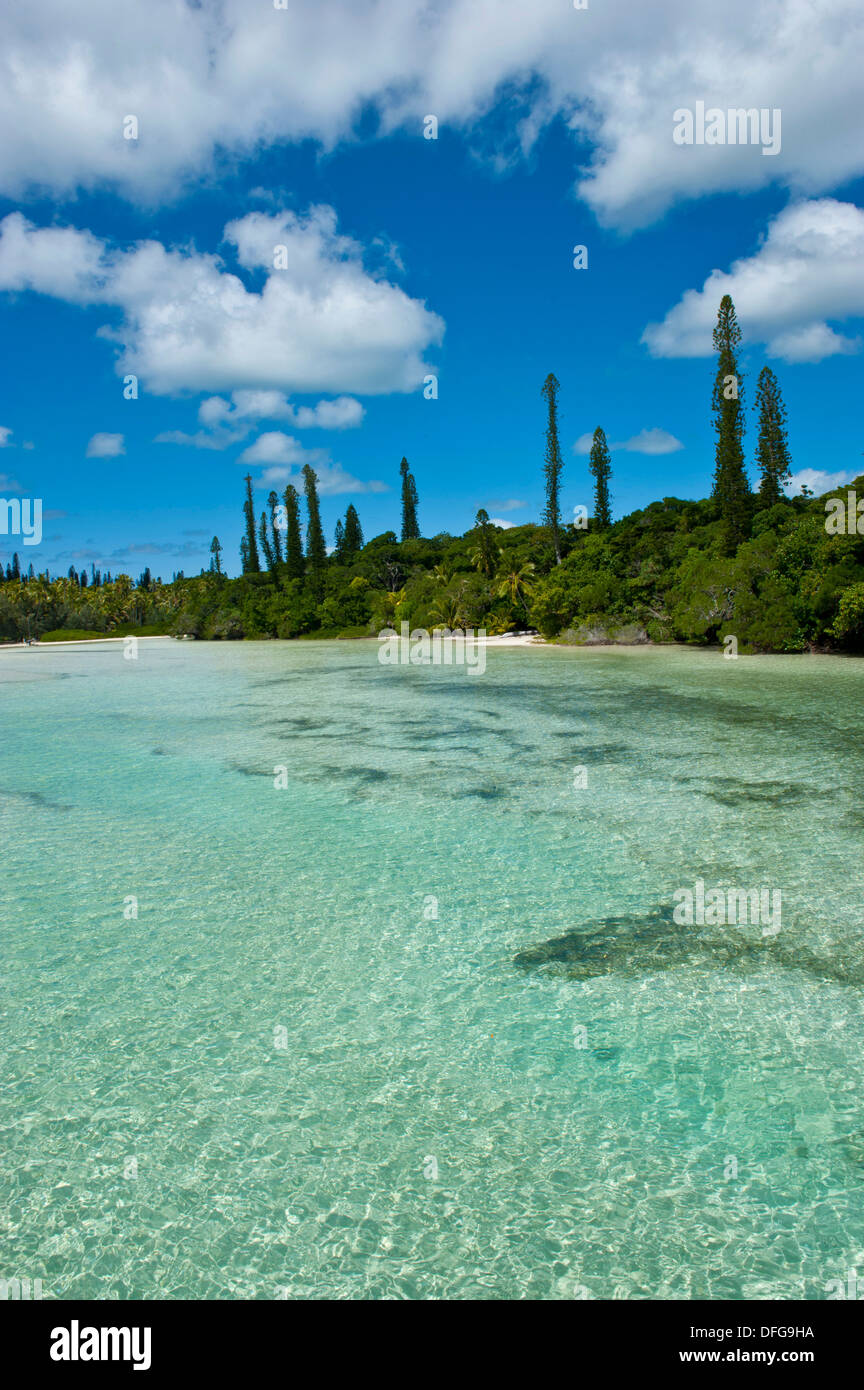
(499, 521)
(203, 439)
(320, 323)
(105, 446)
(333, 479)
(653, 441)
(287, 456)
(227, 422)
(275, 447)
(5, 437)
(236, 77)
(817, 481)
(809, 269)
(343, 413)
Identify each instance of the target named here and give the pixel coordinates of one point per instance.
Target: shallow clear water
(246, 1091)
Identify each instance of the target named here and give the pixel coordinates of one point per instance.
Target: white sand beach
(76, 642)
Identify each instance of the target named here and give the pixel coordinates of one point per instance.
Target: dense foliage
(662, 573)
(764, 568)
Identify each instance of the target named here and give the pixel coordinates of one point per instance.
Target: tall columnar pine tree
(339, 543)
(772, 448)
(486, 556)
(267, 548)
(353, 532)
(601, 466)
(731, 488)
(316, 546)
(275, 531)
(251, 562)
(553, 465)
(410, 526)
(215, 556)
(295, 565)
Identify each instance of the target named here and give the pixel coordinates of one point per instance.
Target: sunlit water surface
(311, 1067)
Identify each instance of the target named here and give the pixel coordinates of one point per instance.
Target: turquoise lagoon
(310, 1066)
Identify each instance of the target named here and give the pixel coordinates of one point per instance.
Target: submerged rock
(600, 634)
(639, 945)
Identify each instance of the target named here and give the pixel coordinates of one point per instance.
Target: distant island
(779, 574)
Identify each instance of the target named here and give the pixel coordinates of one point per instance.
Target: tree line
(731, 490)
(753, 562)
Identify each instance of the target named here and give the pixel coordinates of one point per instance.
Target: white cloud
(817, 481)
(236, 77)
(5, 436)
(811, 342)
(344, 413)
(809, 269)
(287, 456)
(505, 525)
(229, 422)
(105, 446)
(8, 484)
(246, 406)
(333, 479)
(275, 447)
(203, 439)
(321, 324)
(653, 441)
(507, 504)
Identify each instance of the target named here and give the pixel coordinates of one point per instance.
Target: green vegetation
(661, 574)
(600, 465)
(731, 488)
(553, 466)
(759, 566)
(80, 634)
(410, 524)
(772, 450)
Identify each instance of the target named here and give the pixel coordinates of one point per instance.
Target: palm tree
(516, 586)
(391, 603)
(35, 599)
(447, 609)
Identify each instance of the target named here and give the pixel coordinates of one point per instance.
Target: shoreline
(516, 639)
(80, 642)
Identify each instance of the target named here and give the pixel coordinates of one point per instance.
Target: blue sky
(458, 262)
